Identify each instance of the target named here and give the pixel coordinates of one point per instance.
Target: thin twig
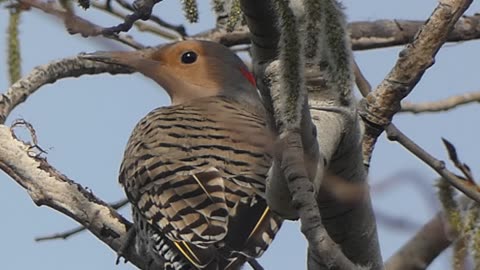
(441, 105)
(142, 10)
(142, 26)
(395, 134)
(396, 222)
(78, 25)
(62, 235)
(179, 29)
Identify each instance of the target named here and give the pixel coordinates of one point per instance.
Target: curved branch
(50, 73)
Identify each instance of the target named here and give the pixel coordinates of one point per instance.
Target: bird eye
(189, 57)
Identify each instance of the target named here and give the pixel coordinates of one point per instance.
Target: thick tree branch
(50, 73)
(74, 231)
(382, 104)
(46, 186)
(441, 105)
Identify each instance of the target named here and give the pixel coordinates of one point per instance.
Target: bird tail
(253, 234)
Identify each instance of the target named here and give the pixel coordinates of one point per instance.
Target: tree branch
(339, 142)
(382, 104)
(179, 29)
(47, 186)
(419, 252)
(367, 35)
(50, 73)
(441, 105)
(386, 33)
(395, 134)
(162, 28)
(71, 232)
(143, 10)
(78, 25)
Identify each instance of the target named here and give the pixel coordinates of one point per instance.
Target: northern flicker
(195, 171)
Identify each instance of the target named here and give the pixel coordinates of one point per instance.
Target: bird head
(188, 69)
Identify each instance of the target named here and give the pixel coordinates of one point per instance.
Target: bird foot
(129, 237)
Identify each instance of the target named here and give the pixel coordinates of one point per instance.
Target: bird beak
(125, 58)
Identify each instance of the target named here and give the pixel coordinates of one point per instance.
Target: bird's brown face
(187, 69)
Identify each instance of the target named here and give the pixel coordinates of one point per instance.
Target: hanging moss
(235, 16)
(190, 9)
(446, 195)
(13, 45)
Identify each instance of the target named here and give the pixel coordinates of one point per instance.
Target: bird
(195, 171)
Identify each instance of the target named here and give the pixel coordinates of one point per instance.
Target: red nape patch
(247, 74)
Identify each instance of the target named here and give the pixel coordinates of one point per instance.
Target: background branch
(441, 105)
(368, 35)
(419, 252)
(386, 33)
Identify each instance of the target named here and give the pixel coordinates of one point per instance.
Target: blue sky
(84, 124)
